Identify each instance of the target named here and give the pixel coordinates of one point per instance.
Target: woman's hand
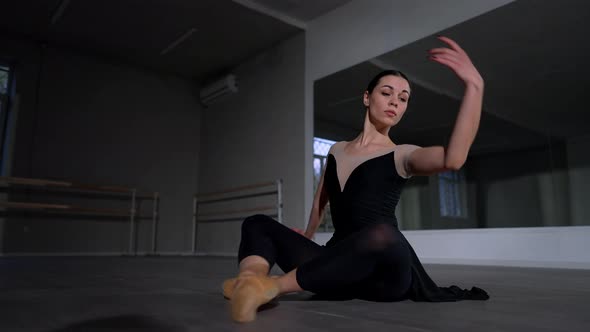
(297, 230)
(436, 159)
(458, 61)
(302, 232)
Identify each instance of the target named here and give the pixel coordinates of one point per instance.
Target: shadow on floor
(118, 323)
(306, 296)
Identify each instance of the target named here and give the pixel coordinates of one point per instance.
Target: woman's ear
(366, 99)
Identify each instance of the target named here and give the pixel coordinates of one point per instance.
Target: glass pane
(321, 146)
(3, 81)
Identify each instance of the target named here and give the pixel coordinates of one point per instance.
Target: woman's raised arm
(436, 159)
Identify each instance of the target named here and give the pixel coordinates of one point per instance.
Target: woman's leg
(391, 280)
(346, 269)
(254, 265)
(371, 260)
(373, 264)
(264, 242)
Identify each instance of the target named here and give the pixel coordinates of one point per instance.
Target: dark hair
(375, 80)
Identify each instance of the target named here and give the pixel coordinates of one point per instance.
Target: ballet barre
(264, 189)
(43, 186)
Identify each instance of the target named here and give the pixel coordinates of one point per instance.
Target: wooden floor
(183, 294)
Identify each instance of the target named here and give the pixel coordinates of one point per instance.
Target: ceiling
(532, 55)
(218, 34)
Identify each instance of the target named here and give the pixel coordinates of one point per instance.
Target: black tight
(371, 264)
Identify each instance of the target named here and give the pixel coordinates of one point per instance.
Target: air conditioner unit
(219, 89)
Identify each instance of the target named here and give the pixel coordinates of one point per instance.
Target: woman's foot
(249, 293)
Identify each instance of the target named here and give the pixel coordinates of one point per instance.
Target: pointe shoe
(250, 293)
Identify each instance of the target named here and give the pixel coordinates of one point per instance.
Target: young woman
(367, 257)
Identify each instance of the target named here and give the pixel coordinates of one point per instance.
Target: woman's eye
(403, 99)
(386, 94)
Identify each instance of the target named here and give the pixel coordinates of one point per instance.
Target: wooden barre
(235, 197)
(32, 206)
(221, 213)
(232, 219)
(80, 193)
(63, 208)
(235, 189)
(53, 187)
(33, 182)
(234, 194)
(71, 185)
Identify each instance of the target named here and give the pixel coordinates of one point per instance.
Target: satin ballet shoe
(228, 286)
(249, 294)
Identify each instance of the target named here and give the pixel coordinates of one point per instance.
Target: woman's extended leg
(373, 264)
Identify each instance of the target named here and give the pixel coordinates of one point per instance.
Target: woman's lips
(391, 113)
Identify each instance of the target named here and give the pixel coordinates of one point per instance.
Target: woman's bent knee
(255, 221)
(382, 236)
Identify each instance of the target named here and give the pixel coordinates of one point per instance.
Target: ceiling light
(59, 11)
(175, 43)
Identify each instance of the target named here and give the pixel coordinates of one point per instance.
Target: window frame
(5, 108)
(454, 181)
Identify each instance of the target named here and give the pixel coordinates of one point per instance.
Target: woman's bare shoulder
(401, 156)
(338, 146)
(407, 147)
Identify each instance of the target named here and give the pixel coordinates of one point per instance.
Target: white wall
(362, 30)
(255, 136)
(102, 122)
(579, 180)
(556, 247)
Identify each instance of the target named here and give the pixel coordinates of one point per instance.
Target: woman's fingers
(451, 56)
(456, 59)
(452, 44)
(446, 61)
(443, 50)
(297, 230)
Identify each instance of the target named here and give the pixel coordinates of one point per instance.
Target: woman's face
(388, 101)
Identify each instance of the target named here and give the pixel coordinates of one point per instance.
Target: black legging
(371, 264)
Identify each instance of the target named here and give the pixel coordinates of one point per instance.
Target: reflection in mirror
(529, 164)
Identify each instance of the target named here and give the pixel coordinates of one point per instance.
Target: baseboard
(62, 254)
(425, 260)
(117, 254)
(508, 263)
(198, 253)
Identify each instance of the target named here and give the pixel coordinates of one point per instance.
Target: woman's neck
(372, 135)
(371, 138)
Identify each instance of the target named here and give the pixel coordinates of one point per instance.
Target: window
(321, 147)
(451, 188)
(5, 79)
